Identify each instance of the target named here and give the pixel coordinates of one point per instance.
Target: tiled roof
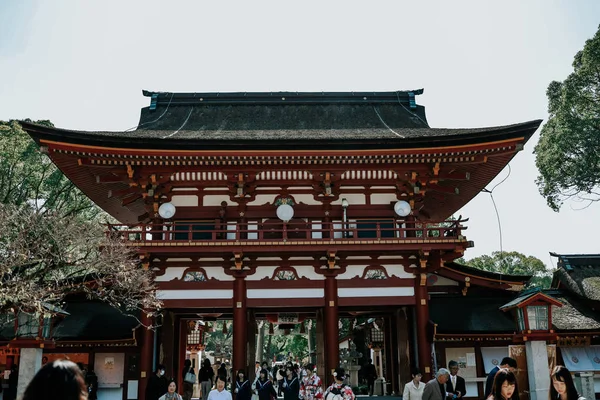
(578, 273)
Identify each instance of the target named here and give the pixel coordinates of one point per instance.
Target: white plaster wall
(170, 274)
(352, 271)
(184, 201)
(309, 272)
(261, 199)
(262, 272)
(185, 189)
(397, 270)
(218, 273)
(306, 199)
(443, 281)
(353, 198)
(285, 293)
(214, 200)
(376, 292)
(383, 198)
(206, 294)
(215, 272)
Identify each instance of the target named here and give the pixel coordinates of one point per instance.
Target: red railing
(296, 230)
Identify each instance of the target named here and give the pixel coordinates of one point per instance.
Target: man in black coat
(157, 384)
(507, 362)
(456, 384)
(370, 374)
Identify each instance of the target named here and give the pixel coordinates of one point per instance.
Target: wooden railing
(296, 230)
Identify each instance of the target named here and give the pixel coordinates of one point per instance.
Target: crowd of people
(289, 381)
(501, 384)
(65, 380)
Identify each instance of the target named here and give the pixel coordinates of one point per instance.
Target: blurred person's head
(57, 380)
(505, 385)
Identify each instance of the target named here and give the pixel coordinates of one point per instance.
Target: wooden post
(240, 324)
(422, 312)
(332, 345)
(146, 356)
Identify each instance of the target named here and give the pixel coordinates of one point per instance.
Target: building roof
(473, 314)
(87, 321)
(528, 296)
(578, 273)
(574, 315)
(285, 120)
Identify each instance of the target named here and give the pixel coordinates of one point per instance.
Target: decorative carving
(195, 276)
(375, 272)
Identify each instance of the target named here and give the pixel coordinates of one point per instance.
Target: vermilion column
(332, 358)
(147, 351)
(422, 311)
(240, 324)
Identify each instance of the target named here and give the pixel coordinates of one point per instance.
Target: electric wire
(156, 120)
(386, 125)
(182, 125)
(409, 111)
(490, 191)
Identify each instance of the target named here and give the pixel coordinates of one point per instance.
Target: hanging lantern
(224, 328)
(302, 330)
(271, 329)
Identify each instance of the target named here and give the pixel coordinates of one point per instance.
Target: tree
(45, 257)
(568, 152)
(52, 243)
(513, 263)
(29, 177)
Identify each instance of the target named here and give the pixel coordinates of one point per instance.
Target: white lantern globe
(166, 210)
(402, 208)
(285, 212)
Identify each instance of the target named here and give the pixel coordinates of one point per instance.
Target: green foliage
(513, 263)
(28, 177)
(568, 153)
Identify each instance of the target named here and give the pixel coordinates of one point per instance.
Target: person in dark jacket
(263, 387)
(13, 381)
(157, 384)
(205, 377)
(91, 381)
(370, 375)
(291, 384)
(242, 387)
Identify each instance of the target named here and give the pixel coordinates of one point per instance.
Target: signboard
(287, 318)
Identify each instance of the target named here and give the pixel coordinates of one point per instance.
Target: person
(413, 390)
(91, 381)
(243, 388)
(435, 389)
(291, 384)
(57, 380)
(263, 387)
(265, 365)
(504, 386)
(310, 388)
(220, 393)
(506, 362)
(456, 385)
(222, 371)
(188, 387)
(339, 390)
(370, 375)
(171, 392)
(563, 387)
(13, 382)
(157, 384)
(205, 377)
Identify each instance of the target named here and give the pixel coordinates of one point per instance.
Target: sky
(83, 65)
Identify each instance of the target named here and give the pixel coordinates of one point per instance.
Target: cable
(485, 190)
(156, 120)
(182, 125)
(386, 125)
(412, 113)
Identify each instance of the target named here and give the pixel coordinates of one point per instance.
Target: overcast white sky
(83, 65)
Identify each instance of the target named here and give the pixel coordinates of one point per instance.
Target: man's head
(442, 375)
(160, 370)
(509, 363)
(453, 367)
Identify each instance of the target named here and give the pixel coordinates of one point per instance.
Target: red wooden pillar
(147, 352)
(422, 311)
(240, 324)
(332, 352)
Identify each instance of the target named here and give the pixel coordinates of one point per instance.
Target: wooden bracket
(238, 260)
(423, 258)
(331, 259)
(423, 277)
